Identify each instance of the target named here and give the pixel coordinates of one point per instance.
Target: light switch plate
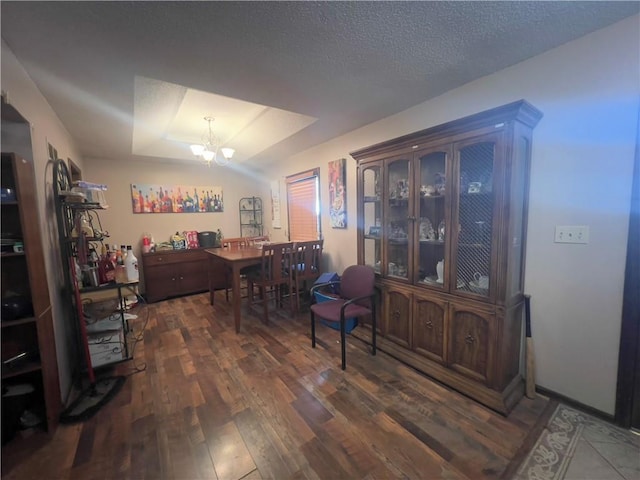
(572, 234)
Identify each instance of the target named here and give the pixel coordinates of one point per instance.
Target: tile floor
(605, 452)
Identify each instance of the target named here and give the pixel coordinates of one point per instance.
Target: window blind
(302, 206)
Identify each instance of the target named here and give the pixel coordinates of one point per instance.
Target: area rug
(550, 456)
(556, 445)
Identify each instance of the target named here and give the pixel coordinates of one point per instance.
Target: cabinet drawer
(173, 256)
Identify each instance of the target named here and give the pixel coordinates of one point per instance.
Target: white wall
(583, 148)
(45, 127)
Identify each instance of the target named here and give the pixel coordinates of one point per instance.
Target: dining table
(234, 260)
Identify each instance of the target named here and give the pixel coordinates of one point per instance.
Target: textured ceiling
(345, 64)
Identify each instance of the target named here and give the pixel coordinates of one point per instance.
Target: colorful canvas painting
(175, 199)
(337, 194)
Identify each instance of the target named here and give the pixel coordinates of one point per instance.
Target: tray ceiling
(135, 79)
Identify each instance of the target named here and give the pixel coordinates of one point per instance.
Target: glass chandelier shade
(209, 148)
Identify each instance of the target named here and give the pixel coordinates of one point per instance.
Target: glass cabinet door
(430, 222)
(372, 213)
(398, 227)
(475, 210)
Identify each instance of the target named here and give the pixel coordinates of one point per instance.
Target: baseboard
(575, 404)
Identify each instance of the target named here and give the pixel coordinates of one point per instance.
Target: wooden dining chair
(307, 267)
(257, 241)
(273, 279)
(235, 243)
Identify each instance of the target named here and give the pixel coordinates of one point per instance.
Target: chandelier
(210, 150)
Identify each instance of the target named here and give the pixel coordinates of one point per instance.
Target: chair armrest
(312, 294)
(320, 285)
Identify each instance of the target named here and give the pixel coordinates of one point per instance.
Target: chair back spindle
(274, 277)
(234, 243)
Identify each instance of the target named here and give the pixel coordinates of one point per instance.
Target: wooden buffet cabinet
(171, 273)
(442, 219)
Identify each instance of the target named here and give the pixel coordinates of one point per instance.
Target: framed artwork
(175, 198)
(337, 194)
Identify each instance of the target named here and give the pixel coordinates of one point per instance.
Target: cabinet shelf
(464, 196)
(82, 205)
(27, 367)
(371, 199)
(108, 286)
(12, 254)
(88, 239)
(19, 321)
(9, 203)
(473, 245)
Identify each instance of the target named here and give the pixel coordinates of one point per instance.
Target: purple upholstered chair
(356, 299)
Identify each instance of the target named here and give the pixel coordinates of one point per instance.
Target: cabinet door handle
(469, 339)
(181, 278)
(396, 315)
(429, 324)
(173, 279)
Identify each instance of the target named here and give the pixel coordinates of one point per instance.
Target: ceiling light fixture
(208, 149)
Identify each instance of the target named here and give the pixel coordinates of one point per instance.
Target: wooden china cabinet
(442, 219)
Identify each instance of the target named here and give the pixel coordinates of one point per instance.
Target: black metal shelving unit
(250, 217)
(74, 246)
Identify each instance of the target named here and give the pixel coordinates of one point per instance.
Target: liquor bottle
(113, 256)
(131, 264)
(106, 269)
(121, 271)
(101, 265)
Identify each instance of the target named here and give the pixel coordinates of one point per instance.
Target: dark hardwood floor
(263, 404)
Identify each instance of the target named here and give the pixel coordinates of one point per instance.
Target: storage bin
(328, 277)
(207, 239)
(93, 192)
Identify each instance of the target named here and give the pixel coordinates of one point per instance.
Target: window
(303, 206)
